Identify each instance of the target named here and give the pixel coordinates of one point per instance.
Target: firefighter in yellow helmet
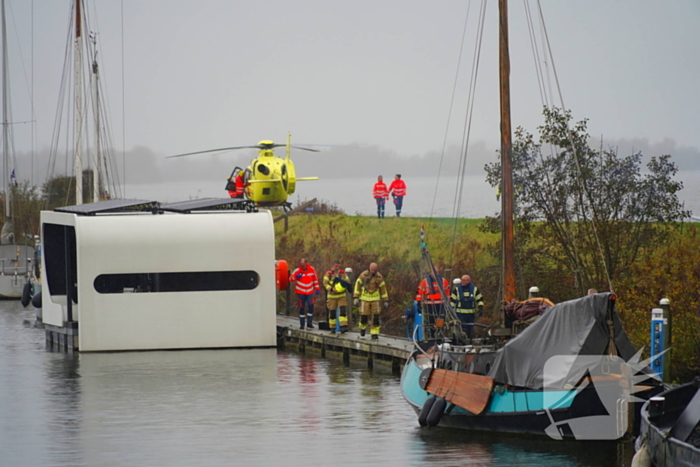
(336, 282)
(370, 289)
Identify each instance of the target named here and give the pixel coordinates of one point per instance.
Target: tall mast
(5, 123)
(78, 106)
(96, 111)
(508, 245)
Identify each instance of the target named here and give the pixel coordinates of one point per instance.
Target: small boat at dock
(670, 431)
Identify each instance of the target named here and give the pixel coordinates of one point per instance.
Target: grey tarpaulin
(576, 327)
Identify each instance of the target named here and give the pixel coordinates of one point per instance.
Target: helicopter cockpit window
(285, 181)
(263, 169)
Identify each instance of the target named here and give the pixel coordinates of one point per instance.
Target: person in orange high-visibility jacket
(380, 194)
(431, 299)
(238, 186)
(397, 189)
(306, 288)
(370, 289)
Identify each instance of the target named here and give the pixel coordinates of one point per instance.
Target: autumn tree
(588, 211)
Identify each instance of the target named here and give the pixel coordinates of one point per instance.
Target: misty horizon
(144, 165)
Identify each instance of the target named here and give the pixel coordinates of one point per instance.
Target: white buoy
(642, 458)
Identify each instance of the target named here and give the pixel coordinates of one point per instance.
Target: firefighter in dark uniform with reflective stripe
(370, 289)
(467, 300)
(336, 282)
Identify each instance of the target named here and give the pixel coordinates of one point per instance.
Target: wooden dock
(389, 352)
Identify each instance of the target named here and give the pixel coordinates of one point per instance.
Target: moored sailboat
(16, 259)
(572, 372)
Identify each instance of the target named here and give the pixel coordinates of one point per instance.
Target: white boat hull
(11, 286)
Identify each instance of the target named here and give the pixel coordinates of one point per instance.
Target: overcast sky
(215, 73)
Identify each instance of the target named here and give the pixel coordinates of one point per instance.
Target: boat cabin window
(207, 281)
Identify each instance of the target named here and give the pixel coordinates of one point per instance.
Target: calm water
(353, 195)
(228, 407)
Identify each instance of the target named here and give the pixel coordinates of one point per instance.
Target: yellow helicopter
(268, 180)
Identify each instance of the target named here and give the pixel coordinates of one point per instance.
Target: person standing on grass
(380, 194)
(397, 189)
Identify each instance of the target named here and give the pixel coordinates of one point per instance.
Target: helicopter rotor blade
(213, 150)
(295, 147)
(306, 149)
(304, 179)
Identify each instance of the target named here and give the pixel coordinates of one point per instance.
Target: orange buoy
(281, 274)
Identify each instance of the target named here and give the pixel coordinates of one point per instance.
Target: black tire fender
(423, 416)
(26, 294)
(436, 412)
(36, 300)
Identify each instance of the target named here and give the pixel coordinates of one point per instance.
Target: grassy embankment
(670, 270)
(392, 243)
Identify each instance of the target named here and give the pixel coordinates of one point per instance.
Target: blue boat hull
(544, 413)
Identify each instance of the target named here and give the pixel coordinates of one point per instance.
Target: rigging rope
(107, 164)
(123, 105)
(546, 97)
(575, 153)
(449, 113)
(466, 133)
(58, 119)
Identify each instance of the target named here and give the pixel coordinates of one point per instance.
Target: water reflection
(64, 415)
(445, 447)
(227, 407)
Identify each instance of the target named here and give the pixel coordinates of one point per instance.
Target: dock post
(288, 299)
(395, 365)
(665, 304)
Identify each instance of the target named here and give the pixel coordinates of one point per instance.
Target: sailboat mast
(78, 106)
(508, 244)
(96, 110)
(5, 123)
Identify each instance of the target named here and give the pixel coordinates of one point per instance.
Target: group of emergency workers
(464, 297)
(381, 193)
(370, 291)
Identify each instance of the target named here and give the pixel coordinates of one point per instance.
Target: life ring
(281, 274)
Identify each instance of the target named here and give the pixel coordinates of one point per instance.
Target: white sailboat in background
(15, 259)
(89, 134)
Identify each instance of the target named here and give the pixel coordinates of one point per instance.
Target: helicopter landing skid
(287, 207)
(248, 206)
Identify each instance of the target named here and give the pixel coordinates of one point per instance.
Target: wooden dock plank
(389, 350)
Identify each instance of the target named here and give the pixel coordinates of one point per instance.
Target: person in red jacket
(397, 189)
(306, 288)
(239, 185)
(431, 300)
(380, 194)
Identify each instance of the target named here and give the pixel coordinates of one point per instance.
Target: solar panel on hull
(206, 204)
(112, 205)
